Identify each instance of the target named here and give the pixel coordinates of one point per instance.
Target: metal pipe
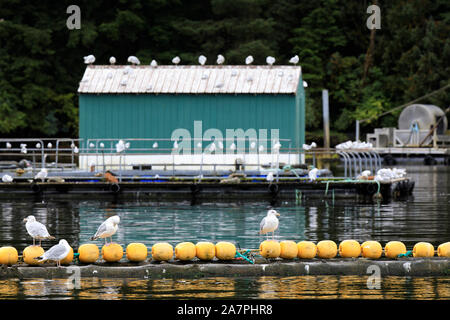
(326, 119)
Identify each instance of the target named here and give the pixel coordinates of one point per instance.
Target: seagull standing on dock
(133, 60)
(269, 223)
(112, 60)
(90, 59)
(202, 60)
(220, 59)
(41, 174)
(312, 174)
(294, 60)
(107, 229)
(249, 60)
(7, 178)
(56, 253)
(36, 230)
(176, 60)
(270, 60)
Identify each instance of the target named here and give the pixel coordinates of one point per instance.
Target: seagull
(56, 253)
(102, 145)
(89, 59)
(294, 60)
(133, 60)
(107, 229)
(269, 223)
(154, 64)
(312, 174)
(269, 177)
(313, 144)
(8, 145)
(270, 60)
(36, 230)
(233, 146)
(202, 60)
(176, 60)
(249, 60)
(305, 84)
(23, 148)
(309, 146)
(220, 59)
(38, 145)
(277, 146)
(91, 145)
(155, 145)
(75, 150)
(120, 146)
(7, 178)
(41, 174)
(49, 145)
(112, 60)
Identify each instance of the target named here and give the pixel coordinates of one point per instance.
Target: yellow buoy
(31, 252)
(88, 253)
(289, 249)
(8, 255)
(225, 250)
(185, 251)
(393, 248)
(349, 249)
(205, 250)
(371, 249)
(67, 260)
(444, 250)
(306, 250)
(137, 252)
(270, 249)
(112, 252)
(423, 249)
(326, 249)
(162, 251)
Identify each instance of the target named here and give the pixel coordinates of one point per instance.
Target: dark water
(424, 217)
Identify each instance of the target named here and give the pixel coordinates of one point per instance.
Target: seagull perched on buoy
(249, 60)
(133, 60)
(220, 59)
(56, 253)
(90, 59)
(269, 223)
(112, 60)
(202, 60)
(294, 60)
(176, 60)
(36, 230)
(107, 229)
(270, 60)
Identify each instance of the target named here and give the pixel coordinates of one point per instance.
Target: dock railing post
(326, 119)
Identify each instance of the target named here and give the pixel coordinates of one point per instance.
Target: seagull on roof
(202, 60)
(269, 223)
(107, 229)
(90, 59)
(36, 230)
(133, 60)
(56, 253)
(154, 64)
(112, 60)
(294, 60)
(249, 60)
(176, 60)
(220, 59)
(270, 60)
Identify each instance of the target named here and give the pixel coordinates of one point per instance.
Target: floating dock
(436, 266)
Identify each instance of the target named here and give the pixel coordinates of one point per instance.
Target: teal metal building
(124, 102)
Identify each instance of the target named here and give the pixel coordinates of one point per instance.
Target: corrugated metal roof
(190, 79)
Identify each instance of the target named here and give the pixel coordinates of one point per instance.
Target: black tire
(273, 188)
(114, 188)
(35, 188)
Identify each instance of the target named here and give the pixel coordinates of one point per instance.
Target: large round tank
(425, 115)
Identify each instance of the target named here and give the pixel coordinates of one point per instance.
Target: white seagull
(107, 229)
(249, 60)
(220, 59)
(269, 223)
(133, 60)
(112, 60)
(269, 176)
(270, 60)
(120, 146)
(155, 145)
(49, 145)
(294, 60)
(202, 60)
(7, 178)
(89, 59)
(56, 253)
(154, 64)
(36, 230)
(41, 174)
(8, 145)
(23, 148)
(312, 174)
(176, 60)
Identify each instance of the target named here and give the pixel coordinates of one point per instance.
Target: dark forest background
(41, 60)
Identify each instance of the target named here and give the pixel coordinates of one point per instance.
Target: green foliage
(41, 60)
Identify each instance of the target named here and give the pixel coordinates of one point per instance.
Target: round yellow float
(112, 252)
(136, 252)
(225, 250)
(88, 253)
(444, 250)
(8, 255)
(306, 250)
(162, 251)
(205, 250)
(289, 249)
(423, 249)
(326, 249)
(371, 249)
(393, 248)
(30, 253)
(270, 249)
(349, 249)
(67, 260)
(185, 251)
